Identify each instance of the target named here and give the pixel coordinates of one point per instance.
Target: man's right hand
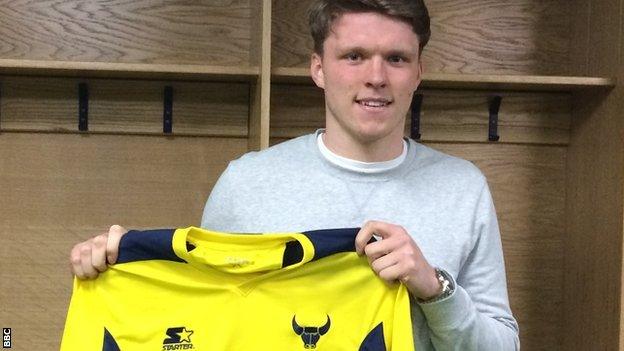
(90, 258)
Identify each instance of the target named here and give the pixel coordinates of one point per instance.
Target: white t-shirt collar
(359, 166)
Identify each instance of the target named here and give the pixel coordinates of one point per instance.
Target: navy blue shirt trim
(330, 241)
(292, 254)
(374, 341)
(147, 245)
(157, 245)
(109, 343)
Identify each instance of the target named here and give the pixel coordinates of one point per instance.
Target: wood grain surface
(58, 190)
(593, 289)
(153, 71)
(51, 104)
(618, 108)
(593, 292)
(260, 95)
(507, 37)
(301, 75)
(529, 37)
(528, 187)
(216, 32)
(445, 116)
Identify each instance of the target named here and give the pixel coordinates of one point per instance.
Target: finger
(85, 261)
(112, 246)
(382, 229)
(386, 246)
(362, 238)
(98, 252)
(74, 259)
(370, 228)
(378, 249)
(393, 273)
(384, 262)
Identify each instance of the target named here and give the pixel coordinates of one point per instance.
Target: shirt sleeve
(477, 315)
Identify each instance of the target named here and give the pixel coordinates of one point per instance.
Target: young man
(433, 212)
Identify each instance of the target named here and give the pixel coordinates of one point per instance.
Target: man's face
(369, 70)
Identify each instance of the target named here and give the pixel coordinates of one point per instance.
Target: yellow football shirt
(194, 289)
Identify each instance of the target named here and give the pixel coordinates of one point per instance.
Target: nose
(377, 76)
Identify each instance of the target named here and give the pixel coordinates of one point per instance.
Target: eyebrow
(391, 52)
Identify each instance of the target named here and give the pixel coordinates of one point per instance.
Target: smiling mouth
(376, 103)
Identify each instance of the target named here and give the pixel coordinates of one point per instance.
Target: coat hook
(168, 110)
(495, 102)
(415, 116)
(83, 107)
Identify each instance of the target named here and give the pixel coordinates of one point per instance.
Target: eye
(396, 59)
(353, 56)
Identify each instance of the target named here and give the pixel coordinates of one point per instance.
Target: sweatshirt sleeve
(477, 315)
(219, 209)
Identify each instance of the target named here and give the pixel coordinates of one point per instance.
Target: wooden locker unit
(240, 78)
(595, 169)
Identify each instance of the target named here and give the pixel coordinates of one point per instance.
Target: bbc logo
(6, 338)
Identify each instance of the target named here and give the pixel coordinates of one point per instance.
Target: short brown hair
(322, 14)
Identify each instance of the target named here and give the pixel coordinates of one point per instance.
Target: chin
(371, 135)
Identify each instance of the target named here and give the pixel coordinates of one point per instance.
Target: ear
(316, 70)
(421, 71)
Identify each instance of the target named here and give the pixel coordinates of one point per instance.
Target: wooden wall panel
(38, 104)
(499, 37)
(593, 293)
(197, 32)
(446, 115)
(604, 51)
(618, 117)
(523, 117)
(485, 36)
(579, 51)
(51, 104)
(210, 108)
(198, 108)
(260, 95)
(528, 187)
(58, 190)
(291, 44)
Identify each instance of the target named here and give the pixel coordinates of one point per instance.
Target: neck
(384, 149)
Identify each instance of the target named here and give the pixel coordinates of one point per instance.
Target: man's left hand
(397, 258)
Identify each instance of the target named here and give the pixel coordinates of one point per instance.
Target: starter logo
(179, 338)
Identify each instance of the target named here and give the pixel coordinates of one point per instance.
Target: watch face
(446, 281)
(447, 286)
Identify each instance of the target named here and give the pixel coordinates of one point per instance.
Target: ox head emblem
(310, 335)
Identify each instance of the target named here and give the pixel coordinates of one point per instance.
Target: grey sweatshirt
(443, 202)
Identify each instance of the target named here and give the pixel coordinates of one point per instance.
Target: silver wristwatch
(446, 286)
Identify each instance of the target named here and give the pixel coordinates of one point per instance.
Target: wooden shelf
(287, 75)
(291, 75)
(475, 81)
(515, 82)
(128, 70)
